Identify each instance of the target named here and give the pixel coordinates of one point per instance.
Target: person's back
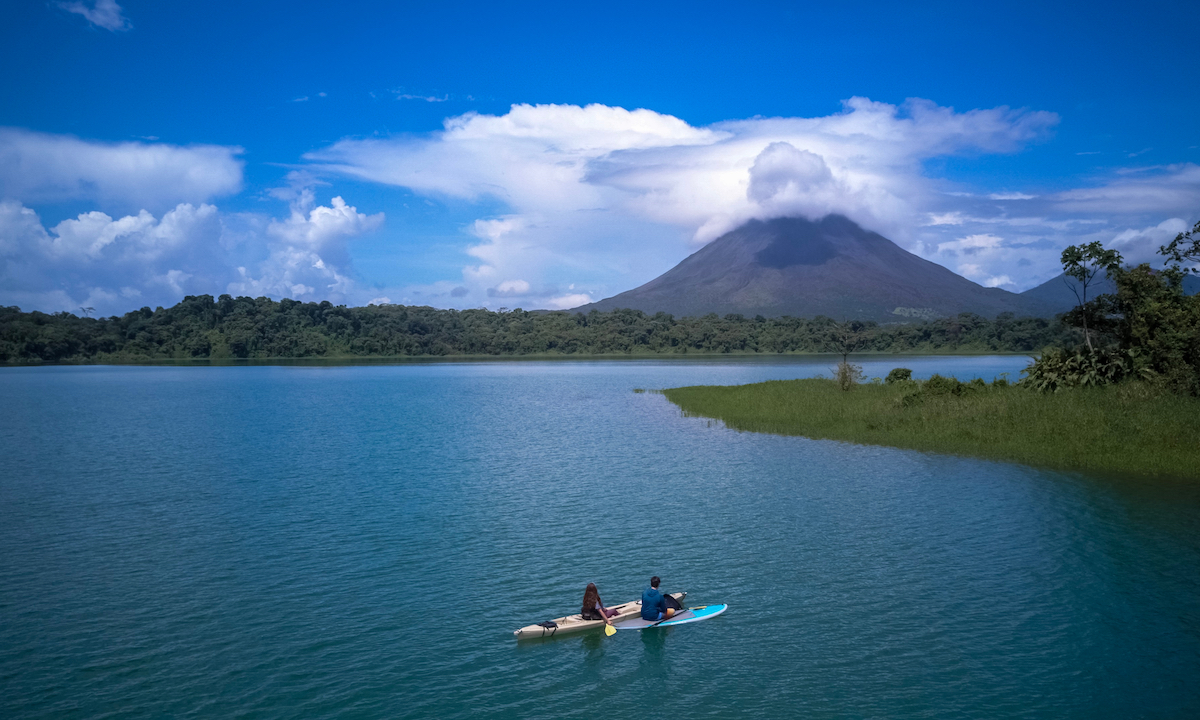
(654, 605)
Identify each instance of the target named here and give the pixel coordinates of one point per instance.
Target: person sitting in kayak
(654, 605)
(593, 607)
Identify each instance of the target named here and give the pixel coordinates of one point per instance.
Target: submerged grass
(1126, 428)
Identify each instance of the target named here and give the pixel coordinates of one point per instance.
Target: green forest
(200, 327)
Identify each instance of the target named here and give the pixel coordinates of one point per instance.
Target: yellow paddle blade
(609, 630)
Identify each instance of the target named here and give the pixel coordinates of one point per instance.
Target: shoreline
(1129, 428)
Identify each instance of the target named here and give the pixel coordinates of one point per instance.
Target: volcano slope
(804, 268)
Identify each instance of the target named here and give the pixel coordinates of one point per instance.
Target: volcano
(804, 268)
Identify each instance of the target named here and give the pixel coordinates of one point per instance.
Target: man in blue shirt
(654, 605)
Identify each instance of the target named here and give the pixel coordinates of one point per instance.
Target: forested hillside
(199, 327)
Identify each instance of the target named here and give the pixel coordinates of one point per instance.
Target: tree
(1083, 263)
(1185, 248)
(1155, 326)
(847, 337)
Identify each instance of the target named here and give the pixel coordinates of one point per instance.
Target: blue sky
(540, 155)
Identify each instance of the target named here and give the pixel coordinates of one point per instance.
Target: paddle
(674, 616)
(609, 630)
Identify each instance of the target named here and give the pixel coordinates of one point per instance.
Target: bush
(938, 385)
(848, 375)
(898, 375)
(1057, 369)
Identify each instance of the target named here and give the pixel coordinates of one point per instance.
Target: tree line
(201, 327)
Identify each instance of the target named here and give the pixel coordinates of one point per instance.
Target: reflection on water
(654, 659)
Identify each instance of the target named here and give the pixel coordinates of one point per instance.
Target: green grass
(1125, 428)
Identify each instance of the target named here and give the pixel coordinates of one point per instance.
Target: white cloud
(426, 98)
(113, 263)
(596, 193)
(566, 302)
(1138, 246)
(96, 260)
(597, 197)
(971, 244)
(1150, 190)
(95, 237)
(949, 218)
(39, 167)
(94, 231)
(286, 272)
(308, 257)
(787, 181)
(20, 227)
(510, 288)
(174, 280)
(101, 13)
(323, 225)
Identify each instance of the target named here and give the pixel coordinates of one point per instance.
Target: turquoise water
(362, 541)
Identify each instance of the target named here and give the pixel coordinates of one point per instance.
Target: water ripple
(361, 541)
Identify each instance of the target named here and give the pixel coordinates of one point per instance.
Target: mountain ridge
(1056, 292)
(803, 268)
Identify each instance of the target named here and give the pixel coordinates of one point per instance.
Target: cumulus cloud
(596, 199)
(322, 226)
(19, 227)
(107, 263)
(308, 259)
(114, 264)
(101, 13)
(599, 192)
(41, 167)
(781, 168)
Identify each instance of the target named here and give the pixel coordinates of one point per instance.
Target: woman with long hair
(593, 607)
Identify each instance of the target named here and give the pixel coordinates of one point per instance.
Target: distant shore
(201, 328)
(579, 357)
(1126, 428)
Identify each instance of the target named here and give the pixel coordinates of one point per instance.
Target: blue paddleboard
(695, 614)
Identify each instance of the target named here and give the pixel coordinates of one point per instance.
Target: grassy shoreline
(1126, 428)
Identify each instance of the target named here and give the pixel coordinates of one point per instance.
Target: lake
(361, 541)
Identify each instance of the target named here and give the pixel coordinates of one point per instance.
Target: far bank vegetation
(227, 328)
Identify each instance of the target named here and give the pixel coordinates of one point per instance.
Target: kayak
(575, 623)
(690, 615)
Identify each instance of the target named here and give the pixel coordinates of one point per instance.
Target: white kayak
(575, 623)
